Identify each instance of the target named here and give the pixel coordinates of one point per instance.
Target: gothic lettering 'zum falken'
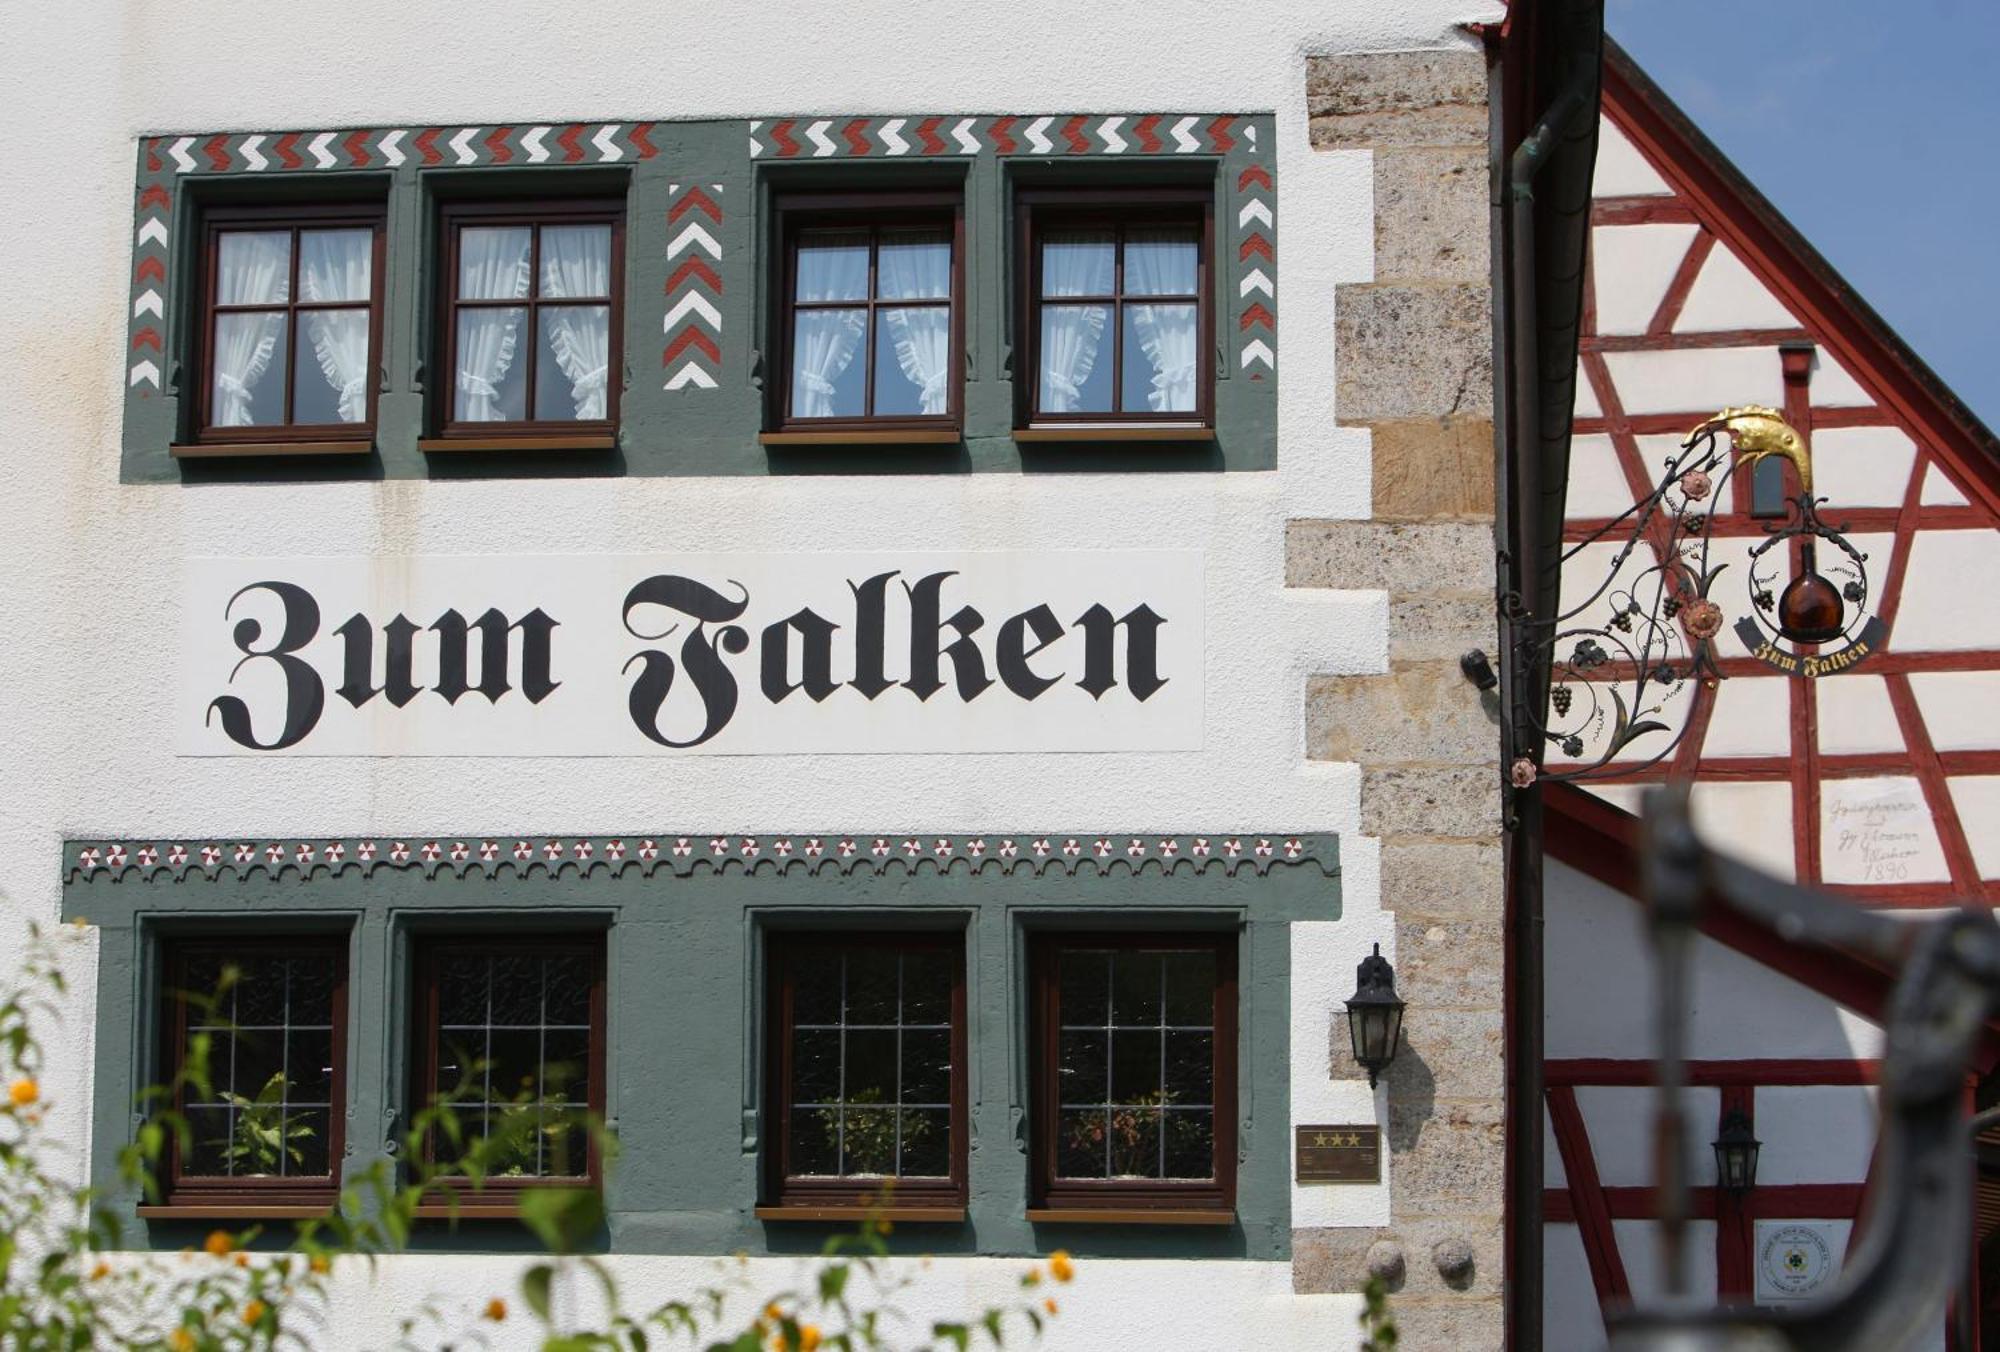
(796, 654)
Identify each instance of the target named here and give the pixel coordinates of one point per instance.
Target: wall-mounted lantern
(1736, 1148)
(1375, 1015)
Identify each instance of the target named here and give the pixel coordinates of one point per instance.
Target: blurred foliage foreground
(66, 1283)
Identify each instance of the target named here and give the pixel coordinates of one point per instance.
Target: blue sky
(1874, 126)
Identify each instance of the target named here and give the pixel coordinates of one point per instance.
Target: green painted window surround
(697, 297)
(685, 922)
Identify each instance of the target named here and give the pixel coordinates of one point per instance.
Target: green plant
(1378, 1322)
(64, 1286)
(263, 1139)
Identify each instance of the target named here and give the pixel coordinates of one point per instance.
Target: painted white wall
(1571, 1319)
(1727, 295)
(1621, 170)
(1632, 266)
(90, 591)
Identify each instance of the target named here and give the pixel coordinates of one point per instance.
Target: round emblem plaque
(1794, 1261)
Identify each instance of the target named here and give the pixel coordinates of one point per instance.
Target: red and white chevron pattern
(145, 350)
(693, 354)
(1051, 135)
(428, 147)
(1254, 232)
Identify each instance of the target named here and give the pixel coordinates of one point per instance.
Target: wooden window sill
(236, 1211)
(1127, 1216)
(886, 436)
(937, 1214)
(590, 442)
(1126, 432)
(219, 450)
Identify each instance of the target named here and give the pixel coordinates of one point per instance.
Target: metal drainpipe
(1524, 862)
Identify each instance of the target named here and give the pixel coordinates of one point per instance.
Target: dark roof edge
(1625, 79)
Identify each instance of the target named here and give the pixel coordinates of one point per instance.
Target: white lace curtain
(492, 264)
(1074, 263)
(576, 261)
(921, 334)
(1161, 262)
(335, 265)
(826, 340)
(253, 268)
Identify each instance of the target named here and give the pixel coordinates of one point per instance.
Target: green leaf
(833, 1282)
(562, 1218)
(535, 1288)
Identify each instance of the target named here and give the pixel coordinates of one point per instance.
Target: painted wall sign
(607, 655)
(1349, 1154)
(1795, 1261)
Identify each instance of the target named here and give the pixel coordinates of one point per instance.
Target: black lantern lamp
(1736, 1149)
(1375, 1015)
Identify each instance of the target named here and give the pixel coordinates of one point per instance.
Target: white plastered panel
(1620, 1123)
(1815, 1133)
(1621, 170)
(1958, 708)
(1632, 267)
(1753, 717)
(1855, 716)
(1833, 387)
(1938, 613)
(1597, 486)
(1727, 295)
(1571, 1318)
(1862, 466)
(1939, 490)
(1639, 1245)
(1977, 798)
(1750, 821)
(1697, 380)
(1878, 831)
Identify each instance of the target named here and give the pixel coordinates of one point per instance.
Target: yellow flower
(320, 1265)
(1050, 1305)
(1032, 1277)
(1060, 1267)
(773, 1313)
(496, 1309)
(808, 1337)
(243, 1260)
(180, 1340)
(23, 1092)
(254, 1312)
(218, 1244)
(100, 1272)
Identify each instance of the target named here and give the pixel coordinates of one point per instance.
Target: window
(1135, 1072)
(266, 1127)
(1116, 320)
(867, 1069)
(533, 321)
(291, 325)
(871, 322)
(1767, 488)
(512, 1035)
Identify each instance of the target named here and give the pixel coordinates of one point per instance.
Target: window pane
(1135, 1066)
(828, 364)
(914, 264)
(816, 1065)
(311, 990)
(833, 265)
(912, 361)
(574, 367)
(1160, 261)
(816, 992)
(926, 1143)
(1161, 347)
(330, 384)
(253, 267)
(517, 989)
(1086, 988)
(868, 1141)
(462, 988)
(306, 1145)
(1082, 1062)
(815, 1141)
(871, 1066)
(1190, 989)
(492, 368)
(309, 1064)
(1135, 1142)
(1190, 1068)
(208, 1147)
(515, 1073)
(1190, 1144)
(461, 1070)
(1135, 990)
(260, 992)
(927, 980)
(336, 264)
(493, 262)
(1074, 380)
(1078, 262)
(926, 1067)
(568, 996)
(566, 1066)
(576, 261)
(1081, 1143)
(874, 981)
(248, 370)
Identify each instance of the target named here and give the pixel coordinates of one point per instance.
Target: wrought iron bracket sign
(1620, 653)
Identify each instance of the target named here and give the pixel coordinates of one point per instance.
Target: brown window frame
(502, 1193)
(1049, 1193)
(783, 1192)
(221, 1194)
(1039, 209)
(217, 221)
(794, 214)
(533, 213)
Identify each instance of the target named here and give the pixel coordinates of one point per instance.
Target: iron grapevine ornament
(1628, 650)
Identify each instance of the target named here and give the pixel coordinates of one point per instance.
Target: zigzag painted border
(1052, 135)
(694, 287)
(1255, 233)
(386, 148)
(1026, 854)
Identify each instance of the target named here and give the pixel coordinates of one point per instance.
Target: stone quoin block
(1432, 215)
(1439, 626)
(1425, 711)
(1452, 1322)
(1427, 468)
(1374, 99)
(1459, 801)
(1430, 879)
(1393, 557)
(1336, 1258)
(1447, 963)
(1448, 1053)
(1449, 1162)
(1408, 350)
